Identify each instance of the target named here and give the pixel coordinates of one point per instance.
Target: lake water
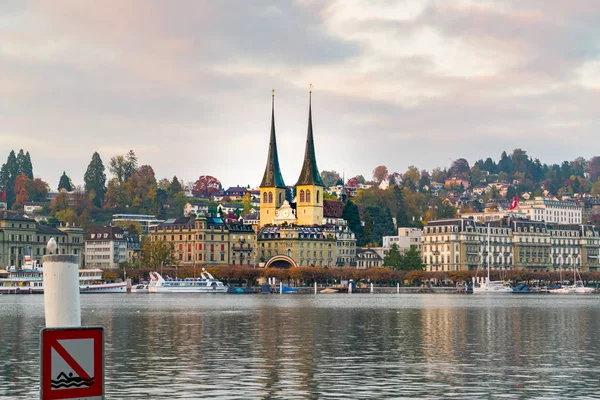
(324, 347)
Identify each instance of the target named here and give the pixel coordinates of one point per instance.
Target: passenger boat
(30, 280)
(141, 288)
(205, 284)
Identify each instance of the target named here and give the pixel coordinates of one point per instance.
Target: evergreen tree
(367, 230)
(8, 176)
(130, 165)
(95, 180)
(65, 182)
(412, 260)
(351, 215)
(393, 259)
(401, 217)
(174, 188)
(28, 169)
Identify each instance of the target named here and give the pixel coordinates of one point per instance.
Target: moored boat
(205, 284)
(140, 288)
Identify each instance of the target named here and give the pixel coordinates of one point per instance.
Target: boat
(140, 288)
(578, 286)
(329, 290)
(523, 289)
(288, 289)
(30, 280)
(485, 285)
(205, 284)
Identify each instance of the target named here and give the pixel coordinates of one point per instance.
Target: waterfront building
(552, 210)
(105, 247)
(462, 245)
(206, 241)
(146, 221)
(20, 235)
(196, 209)
(407, 238)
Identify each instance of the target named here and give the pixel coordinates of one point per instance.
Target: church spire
(309, 175)
(272, 176)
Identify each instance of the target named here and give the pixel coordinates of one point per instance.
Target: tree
(411, 177)
(174, 188)
(593, 168)
(393, 259)
(145, 187)
(412, 260)
(59, 203)
(353, 182)
(24, 164)
(37, 189)
(95, 180)
(20, 191)
(351, 215)
(130, 166)
(401, 217)
(380, 173)
(206, 185)
(439, 175)
(65, 182)
(367, 236)
(116, 166)
(596, 188)
(330, 178)
(361, 179)
(247, 202)
(460, 168)
(156, 254)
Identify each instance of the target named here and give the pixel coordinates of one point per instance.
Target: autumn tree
(247, 202)
(411, 178)
(353, 182)
(460, 168)
(380, 173)
(206, 185)
(130, 165)
(65, 182)
(116, 166)
(156, 254)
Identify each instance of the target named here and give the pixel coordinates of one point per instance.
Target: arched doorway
(280, 261)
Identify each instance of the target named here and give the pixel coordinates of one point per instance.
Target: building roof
(14, 216)
(309, 174)
(105, 233)
(272, 176)
(44, 229)
(180, 221)
(332, 208)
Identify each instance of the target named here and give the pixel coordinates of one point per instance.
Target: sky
(187, 84)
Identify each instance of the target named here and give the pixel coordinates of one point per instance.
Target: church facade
(295, 233)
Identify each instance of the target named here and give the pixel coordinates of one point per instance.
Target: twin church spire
(308, 208)
(309, 174)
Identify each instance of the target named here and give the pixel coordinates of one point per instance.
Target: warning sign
(72, 363)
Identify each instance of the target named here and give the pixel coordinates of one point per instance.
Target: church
(296, 233)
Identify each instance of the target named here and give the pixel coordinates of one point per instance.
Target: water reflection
(338, 346)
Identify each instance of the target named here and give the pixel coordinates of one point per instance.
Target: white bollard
(398, 287)
(61, 290)
(350, 287)
(371, 287)
(280, 287)
(315, 287)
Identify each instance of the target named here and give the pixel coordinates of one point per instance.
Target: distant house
(457, 182)
(198, 209)
(368, 258)
(31, 207)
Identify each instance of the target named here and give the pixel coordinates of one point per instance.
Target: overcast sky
(186, 84)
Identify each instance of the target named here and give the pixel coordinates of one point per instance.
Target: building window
(302, 196)
(317, 197)
(270, 197)
(307, 196)
(280, 197)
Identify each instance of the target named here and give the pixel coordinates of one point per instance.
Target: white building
(198, 209)
(105, 247)
(407, 238)
(552, 210)
(146, 221)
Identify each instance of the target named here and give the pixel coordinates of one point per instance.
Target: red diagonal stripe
(70, 360)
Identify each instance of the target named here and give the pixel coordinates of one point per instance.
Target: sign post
(72, 363)
(72, 356)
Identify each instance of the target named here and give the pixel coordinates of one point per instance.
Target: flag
(4, 195)
(514, 204)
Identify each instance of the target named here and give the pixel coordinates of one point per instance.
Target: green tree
(65, 182)
(412, 260)
(367, 236)
(116, 166)
(174, 188)
(393, 259)
(130, 166)
(351, 215)
(24, 164)
(401, 217)
(95, 180)
(247, 202)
